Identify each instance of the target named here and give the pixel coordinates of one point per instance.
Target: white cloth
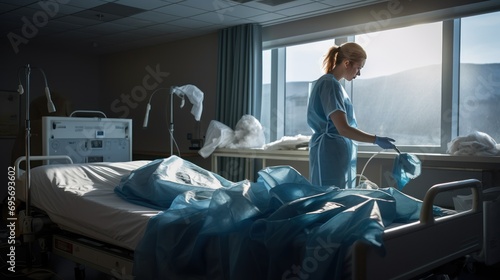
(195, 96)
(218, 135)
(288, 143)
(248, 134)
(475, 144)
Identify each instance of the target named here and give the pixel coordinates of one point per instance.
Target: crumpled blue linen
(279, 227)
(405, 167)
(158, 183)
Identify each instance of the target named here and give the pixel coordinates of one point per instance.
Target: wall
(129, 78)
(372, 18)
(75, 76)
(120, 85)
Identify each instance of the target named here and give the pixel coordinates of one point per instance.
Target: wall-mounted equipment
(87, 139)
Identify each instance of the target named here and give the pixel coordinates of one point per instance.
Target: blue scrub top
(332, 157)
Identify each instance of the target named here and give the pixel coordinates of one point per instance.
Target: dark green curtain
(239, 83)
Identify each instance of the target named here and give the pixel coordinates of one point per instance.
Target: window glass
(265, 117)
(399, 91)
(303, 66)
(480, 75)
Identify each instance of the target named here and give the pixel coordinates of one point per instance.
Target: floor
(464, 269)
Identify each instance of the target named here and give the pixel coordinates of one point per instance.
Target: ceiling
(105, 26)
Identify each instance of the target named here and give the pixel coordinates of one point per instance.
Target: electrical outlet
(196, 144)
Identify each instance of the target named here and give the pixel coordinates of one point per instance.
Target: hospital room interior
(174, 139)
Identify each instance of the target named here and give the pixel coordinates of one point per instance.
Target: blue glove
(385, 142)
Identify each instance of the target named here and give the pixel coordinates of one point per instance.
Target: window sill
(438, 157)
(427, 159)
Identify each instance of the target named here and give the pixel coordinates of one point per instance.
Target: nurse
(330, 114)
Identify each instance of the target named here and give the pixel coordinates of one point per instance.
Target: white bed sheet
(80, 198)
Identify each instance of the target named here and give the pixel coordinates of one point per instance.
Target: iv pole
(195, 96)
(28, 236)
(171, 127)
(171, 121)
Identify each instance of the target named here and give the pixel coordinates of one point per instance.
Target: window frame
(450, 75)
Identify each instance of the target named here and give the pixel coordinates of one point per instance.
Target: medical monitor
(87, 140)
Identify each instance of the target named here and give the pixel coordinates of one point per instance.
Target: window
(479, 75)
(303, 66)
(297, 66)
(398, 93)
(402, 91)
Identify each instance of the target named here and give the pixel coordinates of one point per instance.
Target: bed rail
(426, 216)
(26, 220)
(38, 158)
(417, 248)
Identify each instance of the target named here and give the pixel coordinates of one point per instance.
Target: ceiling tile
(146, 5)
(96, 15)
(209, 5)
(267, 17)
(215, 18)
(262, 6)
(5, 7)
(189, 23)
(156, 17)
(18, 2)
(66, 10)
(79, 20)
(178, 1)
(64, 25)
(76, 24)
(167, 28)
(242, 11)
(85, 4)
(76, 35)
(133, 22)
(307, 8)
(144, 32)
(178, 9)
(106, 28)
(117, 9)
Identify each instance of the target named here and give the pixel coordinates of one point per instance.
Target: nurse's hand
(385, 142)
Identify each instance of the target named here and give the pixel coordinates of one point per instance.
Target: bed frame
(97, 255)
(411, 249)
(416, 248)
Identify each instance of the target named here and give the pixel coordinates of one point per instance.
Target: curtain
(239, 83)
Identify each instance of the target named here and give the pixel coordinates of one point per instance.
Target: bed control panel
(87, 139)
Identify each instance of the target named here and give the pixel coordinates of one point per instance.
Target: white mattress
(80, 198)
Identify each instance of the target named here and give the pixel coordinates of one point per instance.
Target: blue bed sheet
(279, 227)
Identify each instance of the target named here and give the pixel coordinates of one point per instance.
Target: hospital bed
(97, 228)
(94, 226)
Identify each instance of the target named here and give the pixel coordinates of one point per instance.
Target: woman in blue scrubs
(332, 150)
